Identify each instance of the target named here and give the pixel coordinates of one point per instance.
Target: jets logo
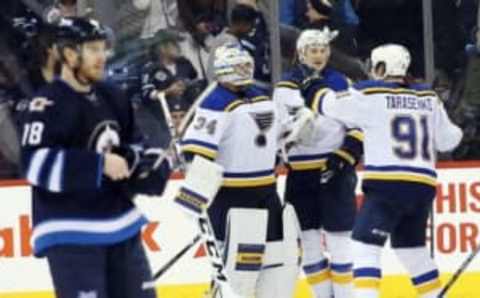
(160, 76)
(104, 137)
(39, 104)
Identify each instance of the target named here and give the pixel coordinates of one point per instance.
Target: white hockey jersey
(328, 134)
(240, 134)
(403, 128)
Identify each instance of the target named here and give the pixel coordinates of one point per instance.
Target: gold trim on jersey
(197, 149)
(249, 182)
(306, 165)
(345, 155)
(287, 84)
(233, 105)
(357, 134)
(260, 98)
(316, 99)
(382, 90)
(400, 176)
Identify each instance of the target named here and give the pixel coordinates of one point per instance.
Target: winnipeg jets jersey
(239, 132)
(404, 127)
(64, 138)
(328, 133)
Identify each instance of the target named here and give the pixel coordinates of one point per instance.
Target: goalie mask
(395, 58)
(313, 47)
(233, 65)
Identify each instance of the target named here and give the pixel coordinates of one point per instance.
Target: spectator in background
(468, 110)
(398, 22)
(168, 73)
(202, 17)
(162, 14)
(339, 15)
(178, 110)
(9, 140)
(61, 8)
(248, 29)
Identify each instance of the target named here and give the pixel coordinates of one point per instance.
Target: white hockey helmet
(313, 38)
(232, 64)
(396, 59)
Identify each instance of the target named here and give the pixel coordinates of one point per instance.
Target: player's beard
(92, 74)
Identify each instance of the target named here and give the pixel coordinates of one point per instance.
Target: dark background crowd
(165, 45)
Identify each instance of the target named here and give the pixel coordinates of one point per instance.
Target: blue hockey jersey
(64, 138)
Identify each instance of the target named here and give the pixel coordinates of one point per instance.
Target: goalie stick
(205, 227)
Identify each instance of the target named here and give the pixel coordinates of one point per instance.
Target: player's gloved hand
(334, 166)
(300, 129)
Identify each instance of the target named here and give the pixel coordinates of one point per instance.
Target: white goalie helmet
(313, 38)
(234, 65)
(396, 59)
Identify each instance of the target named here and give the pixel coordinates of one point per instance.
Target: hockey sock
(316, 265)
(339, 247)
(422, 269)
(366, 270)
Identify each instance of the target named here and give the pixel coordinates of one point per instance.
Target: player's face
(317, 57)
(93, 60)
(170, 51)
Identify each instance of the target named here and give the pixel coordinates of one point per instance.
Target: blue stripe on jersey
(46, 168)
(55, 179)
(101, 164)
(367, 272)
(200, 143)
(341, 268)
(426, 277)
(248, 174)
(35, 162)
(86, 231)
(307, 157)
(317, 267)
(401, 168)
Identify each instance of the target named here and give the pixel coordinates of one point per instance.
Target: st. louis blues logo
(264, 121)
(104, 137)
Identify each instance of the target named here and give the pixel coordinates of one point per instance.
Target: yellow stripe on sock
(342, 278)
(318, 277)
(366, 283)
(431, 286)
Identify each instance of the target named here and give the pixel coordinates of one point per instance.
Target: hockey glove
(335, 165)
(300, 129)
(149, 169)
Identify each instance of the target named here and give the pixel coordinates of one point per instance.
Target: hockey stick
(176, 257)
(459, 272)
(183, 125)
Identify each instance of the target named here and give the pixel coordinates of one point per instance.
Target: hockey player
(79, 156)
(327, 205)
(405, 124)
(236, 128)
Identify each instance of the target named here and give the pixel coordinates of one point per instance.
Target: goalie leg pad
(201, 184)
(282, 260)
(244, 248)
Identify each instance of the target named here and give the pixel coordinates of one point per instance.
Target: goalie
(233, 141)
